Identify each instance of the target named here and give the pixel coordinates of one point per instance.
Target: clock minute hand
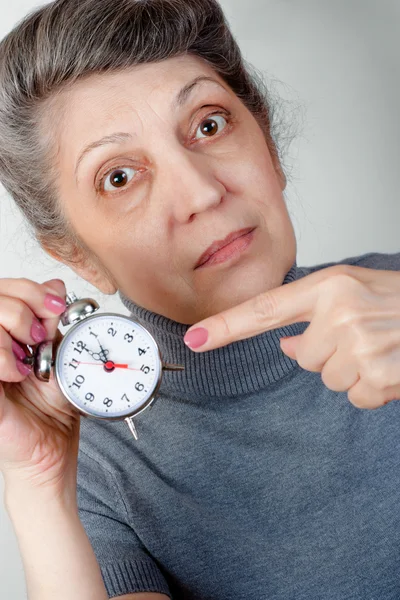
(103, 351)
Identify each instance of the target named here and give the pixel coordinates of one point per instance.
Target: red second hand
(109, 365)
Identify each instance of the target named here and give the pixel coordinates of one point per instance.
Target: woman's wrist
(56, 553)
(22, 501)
(22, 498)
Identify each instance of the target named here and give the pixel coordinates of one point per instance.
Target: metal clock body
(107, 365)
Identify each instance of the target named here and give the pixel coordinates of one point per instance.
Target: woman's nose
(193, 184)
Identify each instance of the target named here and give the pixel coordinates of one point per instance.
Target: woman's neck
(239, 368)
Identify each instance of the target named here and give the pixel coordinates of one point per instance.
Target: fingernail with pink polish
(196, 338)
(54, 303)
(23, 369)
(16, 348)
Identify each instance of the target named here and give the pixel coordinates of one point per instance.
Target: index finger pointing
(293, 302)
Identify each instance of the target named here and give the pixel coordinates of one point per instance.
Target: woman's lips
(230, 251)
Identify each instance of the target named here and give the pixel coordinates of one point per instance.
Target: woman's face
(191, 165)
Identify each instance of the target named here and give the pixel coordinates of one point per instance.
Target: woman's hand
(353, 338)
(39, 428)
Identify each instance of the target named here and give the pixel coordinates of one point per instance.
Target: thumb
(289, 345)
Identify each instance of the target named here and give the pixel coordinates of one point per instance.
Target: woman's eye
(211, 126)
(117, 178)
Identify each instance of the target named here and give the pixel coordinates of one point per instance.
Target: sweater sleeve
(125, 565)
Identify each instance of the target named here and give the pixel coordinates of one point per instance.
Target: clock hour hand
(96, 355)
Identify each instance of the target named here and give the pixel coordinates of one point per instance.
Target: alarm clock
(107, 365)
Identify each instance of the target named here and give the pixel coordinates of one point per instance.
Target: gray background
(336, 64)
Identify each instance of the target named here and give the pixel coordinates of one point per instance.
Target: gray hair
(66, 40)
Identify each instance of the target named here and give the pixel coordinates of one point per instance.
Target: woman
(254, 476)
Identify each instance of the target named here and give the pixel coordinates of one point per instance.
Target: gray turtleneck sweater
(250, 479)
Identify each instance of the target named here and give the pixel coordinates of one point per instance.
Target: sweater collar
(242, 367)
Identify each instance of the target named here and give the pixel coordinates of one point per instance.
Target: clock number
(72, 365)
(125, 397)
(145, 369)
(107, 402)
(128, 337)
(78, 381)
(80, 345)
(112, 331)
(89, 396)
(95, 334)
(139, 387)
(141, 351)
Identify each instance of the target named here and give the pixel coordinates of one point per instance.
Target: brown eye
(117, 178)
(211, 126)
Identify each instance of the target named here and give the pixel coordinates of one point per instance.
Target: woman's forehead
(138, 82)
(104, 103)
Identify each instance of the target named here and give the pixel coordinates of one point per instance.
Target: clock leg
(132, 427)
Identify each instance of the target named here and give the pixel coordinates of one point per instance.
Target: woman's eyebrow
(180, 99)
(108, 139)
(185, 92)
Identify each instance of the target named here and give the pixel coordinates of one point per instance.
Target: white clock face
(108, 365)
